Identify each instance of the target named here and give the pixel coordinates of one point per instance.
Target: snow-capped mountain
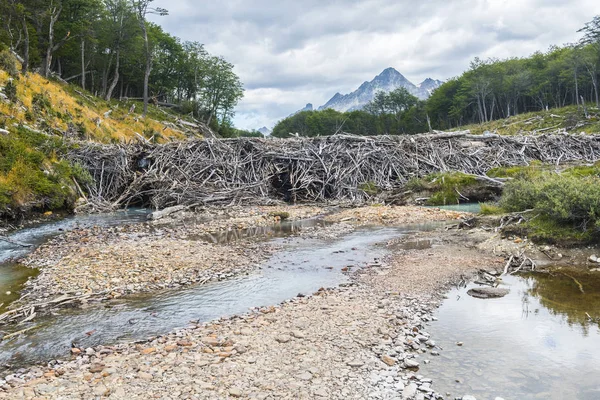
(265, 131)
(388, 80)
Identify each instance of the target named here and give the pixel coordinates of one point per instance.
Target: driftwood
(339, 168)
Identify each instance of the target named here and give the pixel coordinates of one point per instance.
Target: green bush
(566, 199)
(8, 63)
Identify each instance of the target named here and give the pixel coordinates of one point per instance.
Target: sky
(292, 52)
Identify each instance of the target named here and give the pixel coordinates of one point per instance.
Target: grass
(54, 107)
(39, 114)
(446, 188)
(569, 118)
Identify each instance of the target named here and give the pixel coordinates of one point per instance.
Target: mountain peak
(388, 80)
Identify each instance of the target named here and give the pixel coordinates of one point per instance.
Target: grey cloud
(291, 52)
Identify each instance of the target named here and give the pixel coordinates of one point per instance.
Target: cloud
(290, 52)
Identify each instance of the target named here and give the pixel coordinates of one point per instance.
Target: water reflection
(535, 343)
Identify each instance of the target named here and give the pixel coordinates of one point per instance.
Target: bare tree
(142, 8)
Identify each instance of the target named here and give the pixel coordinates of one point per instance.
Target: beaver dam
(341, 167)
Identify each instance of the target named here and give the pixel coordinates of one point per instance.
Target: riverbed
(355, 302)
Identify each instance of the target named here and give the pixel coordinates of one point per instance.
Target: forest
(111, 49)
(489, 90)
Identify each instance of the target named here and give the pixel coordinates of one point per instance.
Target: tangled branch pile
(340, 168)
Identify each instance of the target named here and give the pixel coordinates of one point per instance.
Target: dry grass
(87, 112)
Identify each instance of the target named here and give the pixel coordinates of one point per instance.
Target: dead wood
(341, 168)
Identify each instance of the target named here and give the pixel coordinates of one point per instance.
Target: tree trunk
(48, 58)
(148, 66)
(83, 63)
(25, 64)
(115, 80)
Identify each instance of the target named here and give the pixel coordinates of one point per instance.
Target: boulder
(488, 292)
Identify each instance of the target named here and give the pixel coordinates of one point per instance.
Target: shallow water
(13, 275)
(303, 266)
(535, 343)
(474, 208)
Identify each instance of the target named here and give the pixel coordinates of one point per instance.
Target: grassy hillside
(572, 119)
(37, 115)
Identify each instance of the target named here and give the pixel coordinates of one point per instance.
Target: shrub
(566, 199)
(41, 103)
(9, 63)
(10, 90)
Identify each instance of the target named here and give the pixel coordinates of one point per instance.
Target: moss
(491, 209)
(447, 186)
(369, 188)
(32, 175)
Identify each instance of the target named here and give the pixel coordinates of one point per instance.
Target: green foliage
(568, 200)
(9, 64)
(502, 89)
(491, 209)
(31, 177)
(329, 122)
(41, 104)
(369, 188)
(10, 90)
(446, 187)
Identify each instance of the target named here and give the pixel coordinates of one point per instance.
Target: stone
(235, 392)
(488, 292)
(210, 341)
(388, 360)
(94, 368)
(409, 391)
(355, 363)
(468, 397)
(149, 350)
(283, 338)
(305, 376)
(409, 363)
(594, 259)
(145, 376)
(321, 393)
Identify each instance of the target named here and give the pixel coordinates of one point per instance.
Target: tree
(222, 89)
(142, 8)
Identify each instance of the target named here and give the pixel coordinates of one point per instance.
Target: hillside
(566, 119)
(41, 119)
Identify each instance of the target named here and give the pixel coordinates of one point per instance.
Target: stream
(536, 343)
(302, 266)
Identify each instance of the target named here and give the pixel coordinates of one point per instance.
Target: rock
(149, 350)
(145, 375)
(210, 341)
(355, 363)
(96, 368)
(298, 334)
(321, 393)
(235, 392)
(388, 360)
(305, 376)
(409, 363)
(488, 292)
(468, 397)
(459, 344)
(283, 338)
(409, 391)
(594, 259)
